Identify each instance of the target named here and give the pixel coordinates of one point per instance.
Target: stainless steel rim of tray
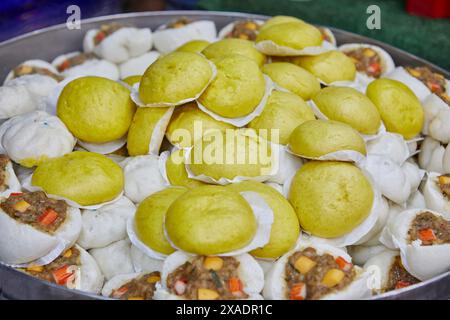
(49, 42)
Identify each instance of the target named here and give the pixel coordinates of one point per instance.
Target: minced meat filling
(141, 288)
(366, 60)
(36, 209)
(207, 278)
(398, 276)
(75, 61)
(434, 81)
(246, 29)
(179, 23)
(4, 160)
(24, 69)
(444, 184)
(310, 276)
(430, 229)
(61, 271)
(105, 31)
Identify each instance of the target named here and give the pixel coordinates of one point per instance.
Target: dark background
(425, 37)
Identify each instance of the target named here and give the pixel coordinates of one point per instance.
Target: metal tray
(49, 42)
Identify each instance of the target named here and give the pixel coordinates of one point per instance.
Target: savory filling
(310, 276)
(444, 97)
(207, 278)
(179, 23)
(246, 29)
(75, 61)
(4, 160)
(141, 288)
(105, 31)
(23, 70)
(444, 185)
(62, 271)
(430, 229)
(36, 209)
(325, 35)
(434, 81)
(366, 60)
(398, 276)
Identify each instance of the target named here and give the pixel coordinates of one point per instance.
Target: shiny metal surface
(49, 42)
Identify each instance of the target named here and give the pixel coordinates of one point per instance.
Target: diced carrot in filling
(343, 264)
(298, 291)
(105, 31)
(427, 235)
(62, 274)
(235, 285)
(398, 276)
(14, 194)
(434, 81)
(430, 229)
(207, 277)
(140, 288)
(402, 284)
(321, 274)
(36, 209)
(119, 292)
(63, 270)
(99, 37)
(63, 66)
(366, 60)
(48, 217)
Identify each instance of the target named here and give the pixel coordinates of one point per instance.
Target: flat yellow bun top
(279, 19)
(238, 88)
(84, 177)
(285, 228)
(176, 171)
(350, 106)
(295, 34)
(231, 154)
(399, 107)
(147, 122)
(175, 77)
(329, 67)
(131, 80)
(293, 78)
(193, 46)
(210, 220)
(96, 109)
(316, 138)
(150, 215)
(330, 198)
(188, 123)
(234, 46)
(284, 112)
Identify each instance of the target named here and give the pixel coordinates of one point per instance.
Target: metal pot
(49, 42)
